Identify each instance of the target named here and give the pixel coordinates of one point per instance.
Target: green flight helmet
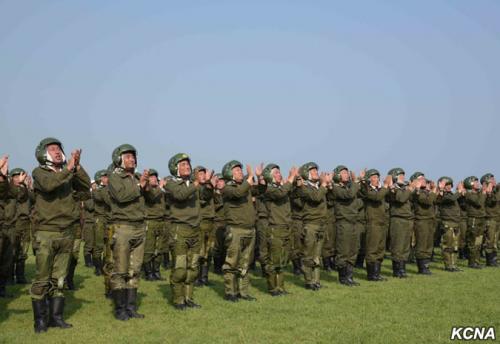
(486, 178)
(304, 169)
(267, 172)
(116, 156)
(174, 162)
(336, 171)
(219, 176)
(99, 174)
(395, 172)
(227, 169)
(469, 182)
(371, 172)
(41, 149)
(199, 169)
(16, 171)
(416, 175)
(153, 172)
(447, 180)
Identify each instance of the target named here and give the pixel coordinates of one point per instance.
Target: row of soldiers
(131, 221)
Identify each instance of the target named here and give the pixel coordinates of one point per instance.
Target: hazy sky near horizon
(360, 83)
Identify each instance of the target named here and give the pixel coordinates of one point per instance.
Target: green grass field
(420, 309)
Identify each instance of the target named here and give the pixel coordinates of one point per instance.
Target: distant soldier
(492, 219)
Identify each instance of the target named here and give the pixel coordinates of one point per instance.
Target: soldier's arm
(374, 195)
(81, 181)
(180, 192)
(425, 198)
(206, 193)
(47, 181)
(236, 191)
(401, 196)
(346, 193)
(119, 192)
(475, 199)
(274, 193)
(153, 194)
(447, 198)
(311, 194)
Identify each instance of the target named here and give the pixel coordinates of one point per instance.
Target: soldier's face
(476, 185)
(374, 180)
(277, 175)
(448, 187)
(128, 161)
(313, 174)
(15, 179)
(184, 169)
(401, 178)
(423, 182)
(55, 153)
(237, 174)
(344, 176)
(220, 184)
(201, 176)
(153, 180)
(104, 180)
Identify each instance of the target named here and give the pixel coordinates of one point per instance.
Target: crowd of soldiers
(132, 223)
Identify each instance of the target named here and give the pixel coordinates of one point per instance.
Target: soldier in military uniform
(374, 196)
(57, 219)
(102, 221)
(239, 216)
(21, 224)
(424, 209)
(328, 253)
(207, 227)
(5, 238)
(220, 227)
(297, 206)
(449, 209)
(312, 189)
(475, 200)
(277, 202)
(88, 231)
(127, 191)
(401, 221)
(184, 198)
(492, 208)
(156, 229)
(345, 192)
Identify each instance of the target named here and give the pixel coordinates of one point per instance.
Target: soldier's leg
(63, 247)
(219, 248)
(361, 244)
(136, 254)
(98, 247)
(262, 246)
(73, 261)
(308, 246)
(272, 242)
(159, 249)
(246, 248)
(25, 230)
(285, 235)
(41, 285)
(345, 245)
(449, 246)
(179, 269)
(108, 259)
(296, 243)
(230, 267)
(6, 254)
(424, 232)
(328, 246)
(193, 259)
(462, 243)
(88, 238)
(318, 248)
(149, 249)
(400, 241)
(474, 238)
(211, 248)
(375, 245)
(491, 243)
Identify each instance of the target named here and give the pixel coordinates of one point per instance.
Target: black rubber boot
(218, 262)
(156, 269)
(371, 272)
(378, 277)
(71, 274)
(396, 269)
(491, 259)
(423, 267)
(148, 271)
(88, 260)
(132, 304)
(98, 266)
(56, 310)
(198, 282)
(40, 313)
(343, 279)
(350, 278)
(120, 299)
(461, 254)
(297, 271)
(326, 264)
(402, 270)
(3, 291)
(359, 261)
(204, 274)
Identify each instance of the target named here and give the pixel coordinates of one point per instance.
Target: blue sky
(360, 83)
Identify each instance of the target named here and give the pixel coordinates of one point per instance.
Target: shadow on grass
(73, 304)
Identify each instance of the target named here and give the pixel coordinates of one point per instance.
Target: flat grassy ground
(420, 309)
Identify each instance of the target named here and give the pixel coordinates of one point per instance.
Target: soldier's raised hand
(249, 174)
(22, 177)
(362, 174)
(388, 181)
(4, 166)
(144, 180)
(259, 169)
